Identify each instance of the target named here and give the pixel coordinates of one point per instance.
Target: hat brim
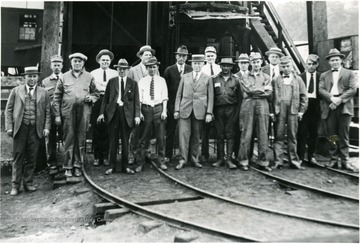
(267, 53)
(335, 55)
(98, 56)
(31, 73)
(121, 66)
(227, 63)
(182, 53)
(242, 60)
(193, 60)
(158, 63)
(139, 53)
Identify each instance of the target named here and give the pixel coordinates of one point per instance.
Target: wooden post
(67, 34)
(148, 24)
(309, 13)
(52, 33)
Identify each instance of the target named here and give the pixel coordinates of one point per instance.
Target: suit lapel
(330, 77)
(196, 84)
(127, 86)
(38, 94)
(340, 75)
(22, 93)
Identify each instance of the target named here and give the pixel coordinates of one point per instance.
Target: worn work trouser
(289, 122)
(25, 147)
(52, 141)
(254, 114)
(74, 127)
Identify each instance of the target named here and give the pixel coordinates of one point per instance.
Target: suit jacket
(347, 86)
(303, 77)
(16, 105)
(131, 100)
(197, 97)
(172, 77)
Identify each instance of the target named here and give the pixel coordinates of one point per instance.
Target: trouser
(190, 130)
(171, 124)
(338, 127)
(226, 117)
(255, 115)
(74, 128)
(152, 119)
(25, 147)
(288, 121)
(119, 128)
(52, 141)
(308, 130)
(100, 138)
(205, 139)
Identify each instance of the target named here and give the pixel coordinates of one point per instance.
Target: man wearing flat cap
(120, 109)
(337, 88)
(254, 113)
(153, 95)
(211, 69)
(227, 98)
(49, 83)
(308, 126)
(290, 103)
(172, 75)
(27, 120)
(193, 106)
(100, 139)
(73, 98)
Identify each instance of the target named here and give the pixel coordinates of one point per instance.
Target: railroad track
(200, 214)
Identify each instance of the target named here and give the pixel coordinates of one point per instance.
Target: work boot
(68, 173)
(77, 172)
(229, 152)
(230, 164)
(218, 163)
(220, 153)
(96, 162)
(30, 188)
(14, 191)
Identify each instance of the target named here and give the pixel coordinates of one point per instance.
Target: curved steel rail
(215, 196)
(153, 214)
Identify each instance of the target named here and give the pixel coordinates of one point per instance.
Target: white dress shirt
(335, 90)
(160, 90)
(308, 76)
(274, 68)
(198, 75)
(207, 70)
(121, 103)
(28, 89)
(99, 77)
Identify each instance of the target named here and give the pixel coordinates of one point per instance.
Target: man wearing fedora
(153, 95)
(28, 119)
(211, 69)
(172, 75)
(100, 139)
(49, 83)
(290, 103)
(120, 109)
(273, 67)
(73, 97)
(227, 98)
(194, 103)
(337, 88)
(254, 113)
(308, 126)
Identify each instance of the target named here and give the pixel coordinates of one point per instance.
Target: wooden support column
(52, 35)
(148, 24)
(67, 33)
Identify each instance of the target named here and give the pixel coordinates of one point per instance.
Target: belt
(151, 106)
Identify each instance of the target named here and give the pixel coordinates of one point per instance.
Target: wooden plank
(264, 36)
(355, 51)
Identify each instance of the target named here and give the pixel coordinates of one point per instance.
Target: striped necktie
(152, 92)
(30, 89)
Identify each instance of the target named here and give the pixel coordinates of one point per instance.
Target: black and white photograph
(179, 121)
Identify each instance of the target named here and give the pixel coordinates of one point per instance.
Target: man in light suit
(194, 104)
(120, 109)
(172, 75)
(337, 88)
(273, 68)
(28, 119)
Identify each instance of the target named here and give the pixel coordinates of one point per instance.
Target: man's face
(152, 69)
(256, 64)
(335, 62)
(77, 64)
(274, 59)
(145, 56)
(210, 57)
(104, 61)
(311, 66)
(226, 68)
(286, 68)
(197, 66)
(56, 67)
(181, 58)
(244, 65)
(31, 80)
(122, 71)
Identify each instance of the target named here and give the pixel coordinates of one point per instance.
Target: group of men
(135, 104)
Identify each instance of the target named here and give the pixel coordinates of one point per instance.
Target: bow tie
(286, 76)
(334, 70)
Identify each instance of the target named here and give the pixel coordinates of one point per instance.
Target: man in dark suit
(120, 109)
(27, 121)
(172, 75)
(337, 88)
(194, 103)
(308, 126)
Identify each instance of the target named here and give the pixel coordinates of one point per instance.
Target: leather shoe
(138, 169)
(163, 166)
(96, 162)
(230, 164)
(30, 188)
(180, 165)
(108, 172)
(350, 168)
(277, 166)
(197, 165)
(129, 171)
(296, 166)
(265, 168)
(218, 163)
(245, 167)
(77, 172)
(106, 162)
(14, 192)
(68, 173)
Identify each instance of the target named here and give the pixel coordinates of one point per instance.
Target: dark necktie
(104, 76)
(122, 90)
(273, 73)
(311, 84)
(30, 89)
(180, 72)
(286, 76)
(334, 70)
(152, 92)
(211, 70)
(57, 77)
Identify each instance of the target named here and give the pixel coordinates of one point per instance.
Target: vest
(30, 110)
